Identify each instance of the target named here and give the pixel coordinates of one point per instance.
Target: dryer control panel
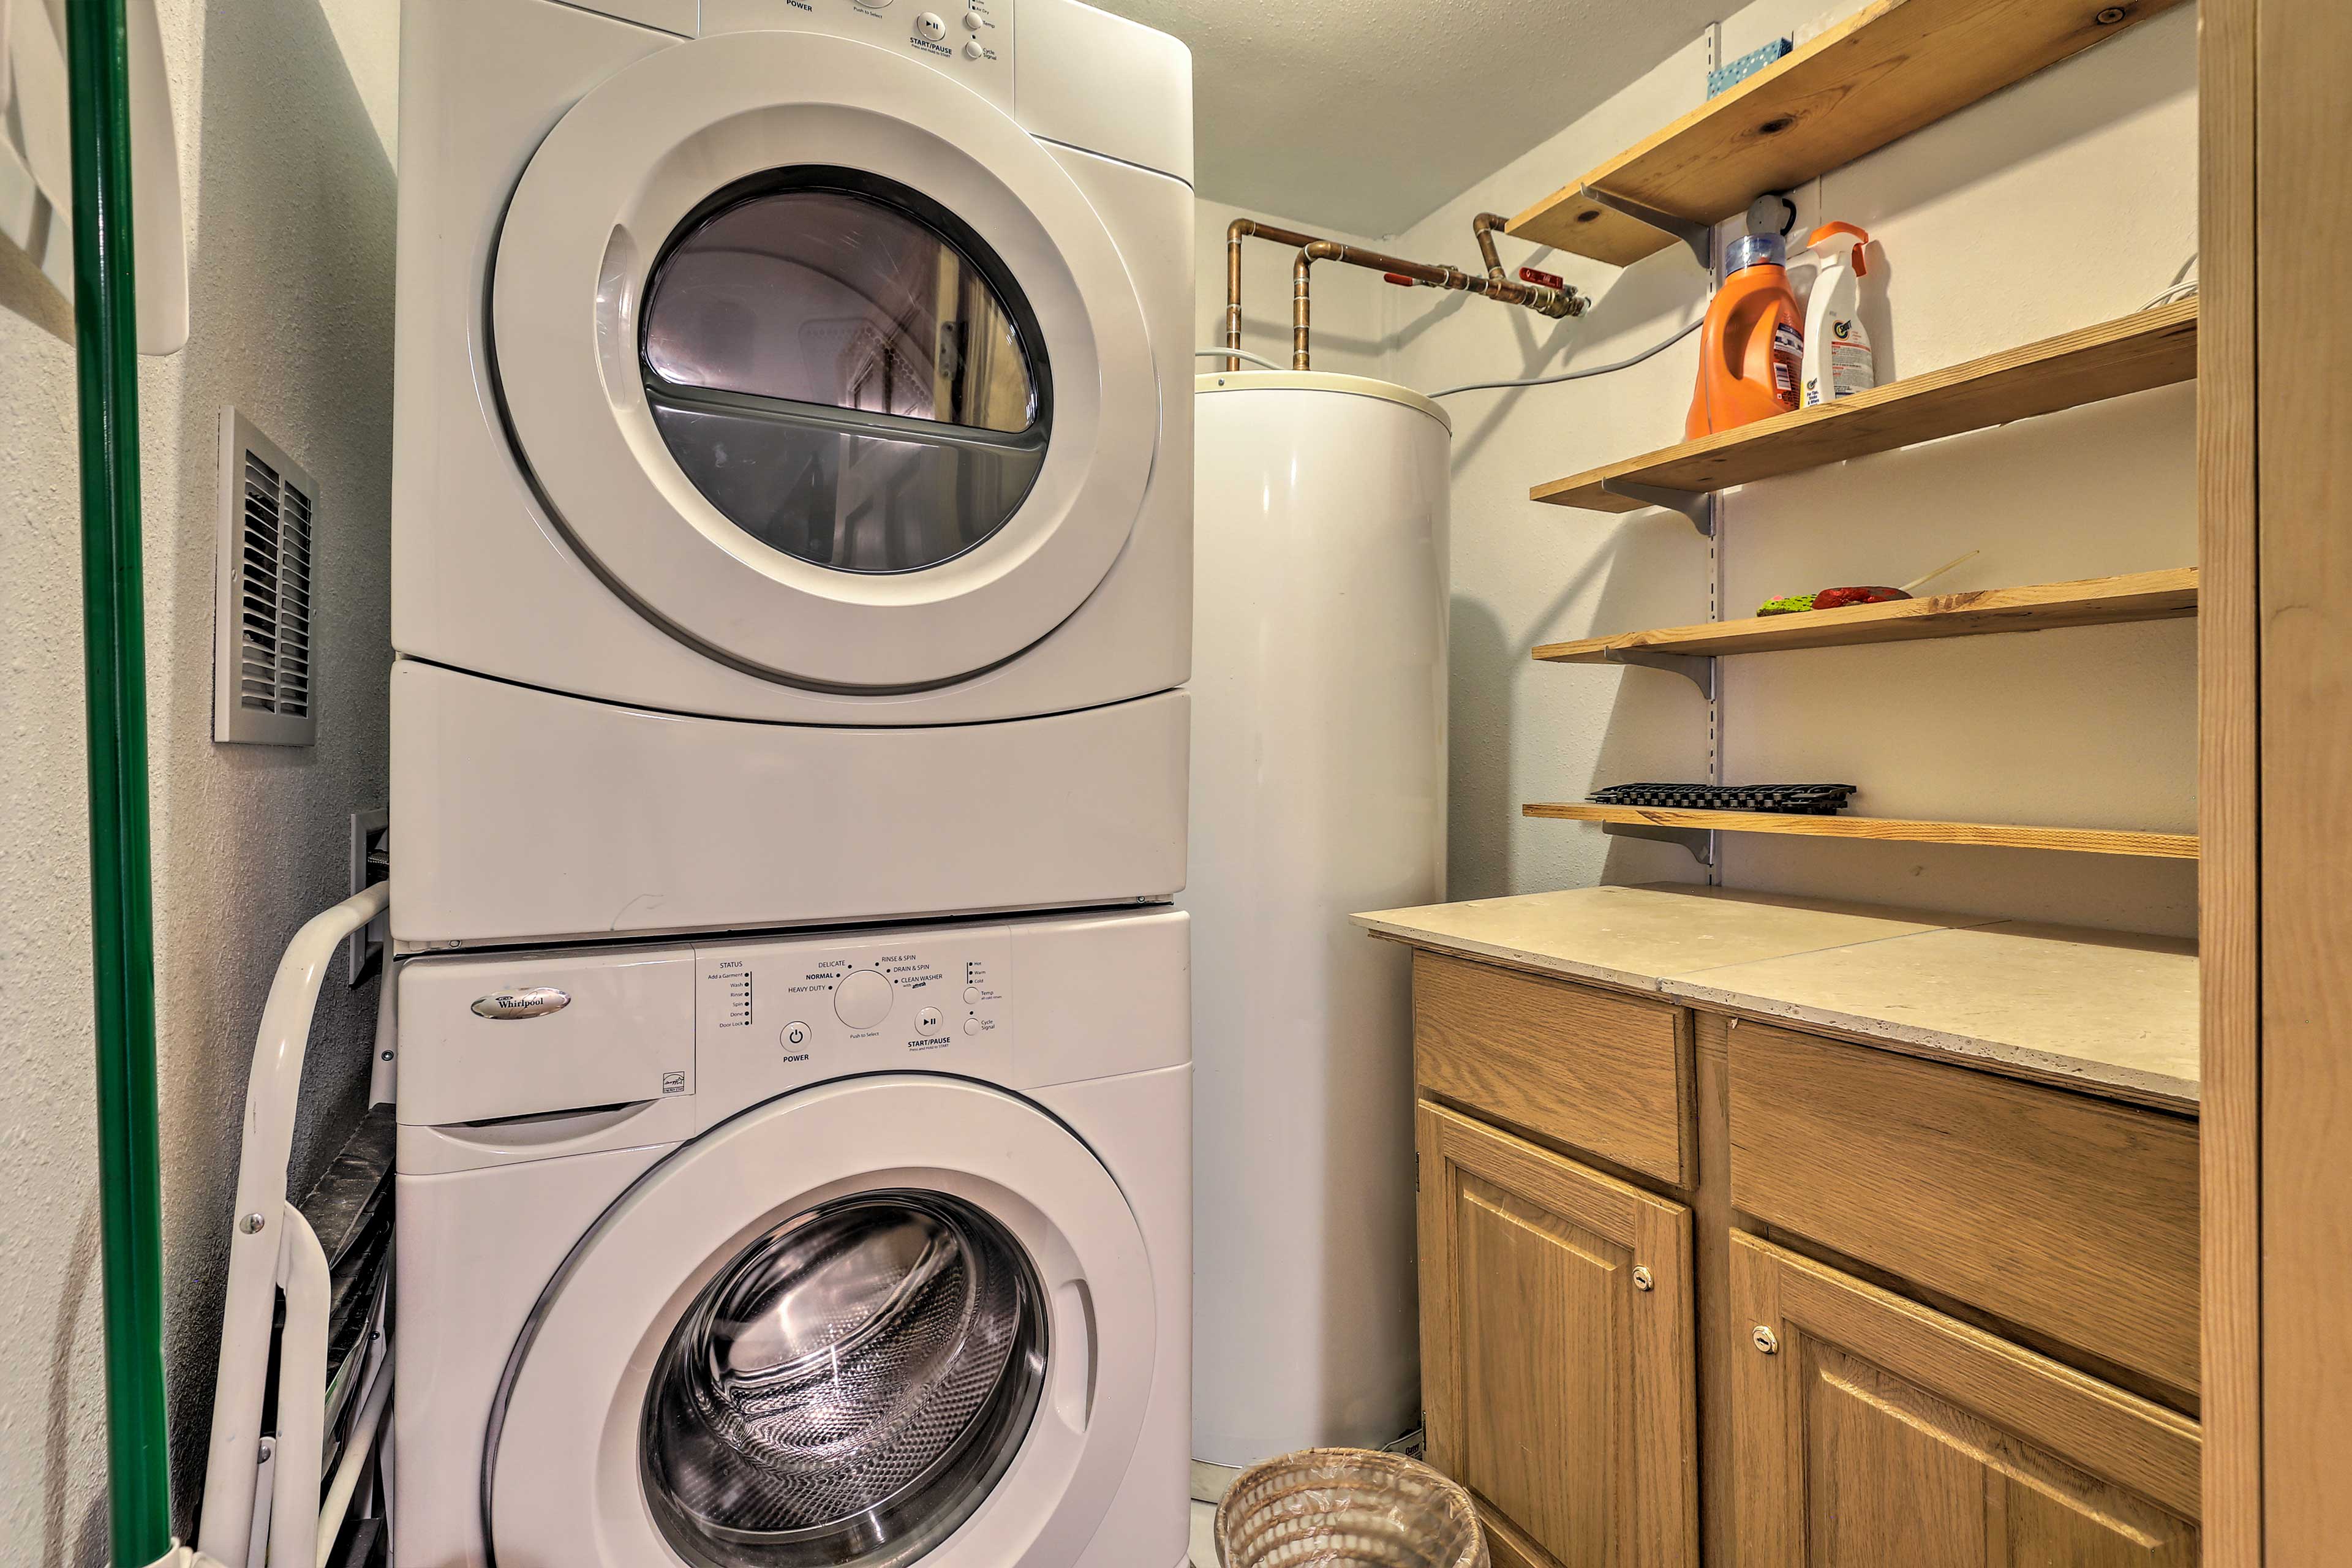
(773, 1015)
(969, 40)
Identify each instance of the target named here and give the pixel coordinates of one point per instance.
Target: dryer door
(890, 1321)
(824, 362)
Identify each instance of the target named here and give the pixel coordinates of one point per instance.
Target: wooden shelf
(1892, 67)
(2150, 349)
(2081, 840)
(2093, 602)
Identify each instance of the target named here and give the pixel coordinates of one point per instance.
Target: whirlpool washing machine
(792, 463)
(858, 1253)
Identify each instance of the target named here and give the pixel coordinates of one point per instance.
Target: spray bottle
(1838, 360)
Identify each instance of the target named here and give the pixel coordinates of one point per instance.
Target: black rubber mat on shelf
(1788, 800)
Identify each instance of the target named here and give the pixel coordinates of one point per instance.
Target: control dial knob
(863, 998)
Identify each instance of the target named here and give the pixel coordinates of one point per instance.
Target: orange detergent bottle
(1752, 348)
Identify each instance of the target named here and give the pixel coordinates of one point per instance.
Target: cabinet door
(1556, 1312)
(1870, 1431)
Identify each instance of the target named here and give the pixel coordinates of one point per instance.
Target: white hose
(1578, 374)
(1237, 353)
(1654, 349)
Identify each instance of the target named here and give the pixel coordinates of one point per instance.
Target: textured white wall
(288, 191)
(2066, 200)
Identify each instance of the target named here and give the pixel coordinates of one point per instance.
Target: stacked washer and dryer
(793, 594)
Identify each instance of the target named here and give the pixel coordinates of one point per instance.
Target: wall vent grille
(262, 678)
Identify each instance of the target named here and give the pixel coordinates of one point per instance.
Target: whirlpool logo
(530, 1002)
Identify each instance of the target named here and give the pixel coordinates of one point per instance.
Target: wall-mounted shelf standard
(2092, 602)
(1891, 68)
(2150, 349)
(2079, 840)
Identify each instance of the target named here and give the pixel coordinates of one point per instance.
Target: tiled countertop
(2113, 1012)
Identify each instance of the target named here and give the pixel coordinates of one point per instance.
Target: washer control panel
(772, 1015)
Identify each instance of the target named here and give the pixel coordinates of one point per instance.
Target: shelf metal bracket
(1699, 236)
(1692, 504)
(1699, 841)
(1695, 668)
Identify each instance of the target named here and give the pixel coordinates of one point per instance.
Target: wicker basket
(1342, 1508)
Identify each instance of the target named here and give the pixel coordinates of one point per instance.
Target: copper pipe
(1243, 228)
(1494, 285)
(1484, 227)
(1552, 302)
(1234, 237)
(1535, 296)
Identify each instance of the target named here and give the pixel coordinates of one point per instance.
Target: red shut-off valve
(1542, 280)
(1399, 279)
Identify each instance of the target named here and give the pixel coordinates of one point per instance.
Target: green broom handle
(123, 936)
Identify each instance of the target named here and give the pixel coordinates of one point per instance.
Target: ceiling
(1365, 115)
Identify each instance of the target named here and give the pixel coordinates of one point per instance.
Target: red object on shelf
(1545, 279)
(1839, 598)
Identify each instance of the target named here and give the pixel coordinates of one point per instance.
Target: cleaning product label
(1788, 357)
(1850, 367)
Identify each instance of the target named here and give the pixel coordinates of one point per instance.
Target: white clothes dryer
(790, 438)
(865, 1252)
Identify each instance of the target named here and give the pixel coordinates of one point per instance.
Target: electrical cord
(1652, 350)
(2177, 291)
(1237, 353)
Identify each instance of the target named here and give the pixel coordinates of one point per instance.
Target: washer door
(824, 362)
(887, 1321)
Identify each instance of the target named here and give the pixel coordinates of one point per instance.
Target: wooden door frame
(2276, 676)
(2229, 789)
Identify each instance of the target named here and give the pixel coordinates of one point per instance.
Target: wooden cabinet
(1575, 1324)
(1556, 1323)
(1870, 1431)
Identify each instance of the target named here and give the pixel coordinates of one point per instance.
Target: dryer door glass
(846, 371)
(848, 1389)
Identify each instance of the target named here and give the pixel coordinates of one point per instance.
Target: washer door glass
(848, 1389)
(845, 370)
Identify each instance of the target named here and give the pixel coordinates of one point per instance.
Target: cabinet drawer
(1591, 1069)
(2068, 1216)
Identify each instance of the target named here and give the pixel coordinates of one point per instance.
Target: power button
(929, 25)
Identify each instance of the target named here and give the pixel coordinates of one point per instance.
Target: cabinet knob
(1766, 1341)
(1641, 1280)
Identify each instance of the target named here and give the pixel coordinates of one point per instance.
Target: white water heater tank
(1318, 790)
